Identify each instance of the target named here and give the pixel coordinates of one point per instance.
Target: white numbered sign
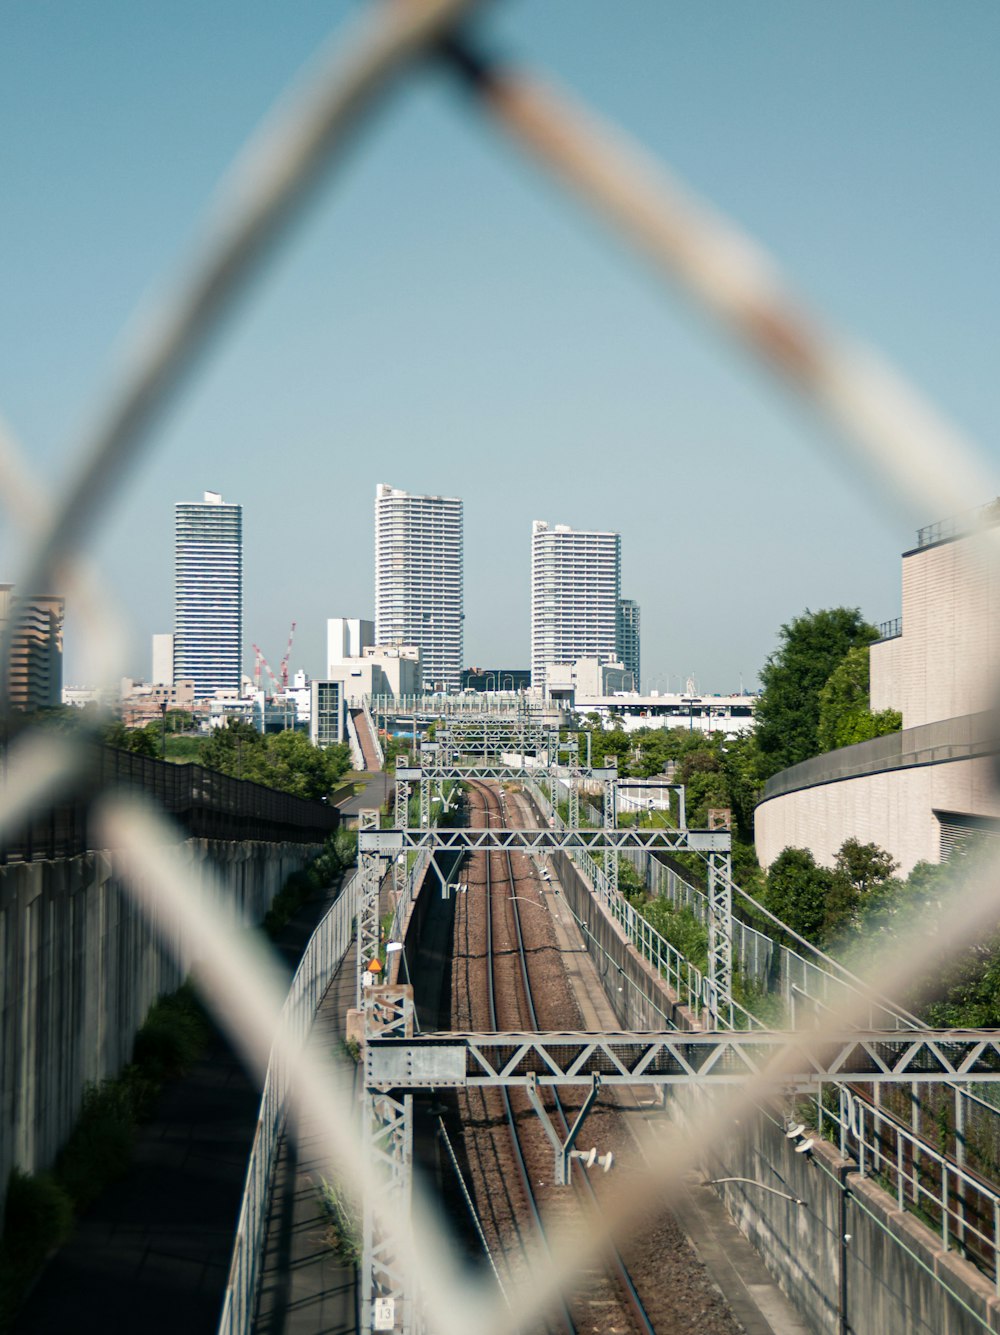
(385, 1314)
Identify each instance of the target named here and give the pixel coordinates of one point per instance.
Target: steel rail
(584, 1185)
(522, 1166)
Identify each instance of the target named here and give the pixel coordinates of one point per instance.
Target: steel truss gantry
(488, 736)
(397, 1062)
(491, 773)
(572, 1058)
(439, 840)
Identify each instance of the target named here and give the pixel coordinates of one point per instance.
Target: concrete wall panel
(894, 809)
(80, 965)
(890, 1262)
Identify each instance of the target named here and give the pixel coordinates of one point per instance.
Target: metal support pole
(720, 935)
(401, 820)
(915, 1152)
(387, 1291)
(369, 927)
(563, 1148)
(960, 1158)
(425, 803)
(843, 1325)
(610, 822)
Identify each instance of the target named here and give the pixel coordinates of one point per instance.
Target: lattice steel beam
(401, 808)
(609, 819)
(462, 1060)
(503, 773)
(720, 935)
(369, 926)
(389, 842)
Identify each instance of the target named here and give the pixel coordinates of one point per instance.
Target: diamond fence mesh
(885, 429)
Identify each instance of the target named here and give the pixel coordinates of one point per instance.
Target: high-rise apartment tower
(208, 595)
(628, 637)
(575, 591)
(418, 580)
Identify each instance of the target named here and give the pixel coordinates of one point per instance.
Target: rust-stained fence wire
(882, 424)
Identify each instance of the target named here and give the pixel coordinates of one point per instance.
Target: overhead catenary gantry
(546, 840)
(794, 1061)
(501, 748)
(495, 738)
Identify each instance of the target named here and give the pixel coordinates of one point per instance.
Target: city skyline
(587, 391)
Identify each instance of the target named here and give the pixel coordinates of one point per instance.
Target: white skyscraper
(208, 595)
(418, 580)
(575, 591)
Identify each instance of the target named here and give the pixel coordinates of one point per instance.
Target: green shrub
(37, 1217)
(39, 1209)
(100, 1146)
(173, 1036)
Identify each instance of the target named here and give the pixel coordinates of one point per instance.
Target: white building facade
(363, 668)
(163, 660)
(419, 575)
(575, 593)
(208, 595)
(348, 637)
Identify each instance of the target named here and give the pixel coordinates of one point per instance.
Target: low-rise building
(728, 714)
(365, 668)
(586, 679)
(496, 679)
(143, 701)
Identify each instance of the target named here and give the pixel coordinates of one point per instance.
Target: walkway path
(306, 1289)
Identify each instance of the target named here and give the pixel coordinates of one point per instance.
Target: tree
(809, 648)
(284, 760)
(844, 713)
(140, 741)
(864, 866)
(797, 892)
(233, 749)
(700, 771)
(742, 766)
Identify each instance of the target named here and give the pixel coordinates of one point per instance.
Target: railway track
(606, 1298)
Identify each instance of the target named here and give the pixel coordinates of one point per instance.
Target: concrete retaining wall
(80, 965)
(889, 1265)
(638, 995)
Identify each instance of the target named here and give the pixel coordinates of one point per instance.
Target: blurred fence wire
(882, 424)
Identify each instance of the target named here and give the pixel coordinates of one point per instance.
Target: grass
(40, 1207)
(343, 1231)
(185, 750)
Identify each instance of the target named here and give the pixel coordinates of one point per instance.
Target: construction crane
(284, 661)
(260, 660)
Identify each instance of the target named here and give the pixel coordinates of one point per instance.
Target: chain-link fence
(885, 427)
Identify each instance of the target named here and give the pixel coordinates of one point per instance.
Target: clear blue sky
(446, 321)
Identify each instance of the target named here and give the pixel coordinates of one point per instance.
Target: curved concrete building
(919, 791)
